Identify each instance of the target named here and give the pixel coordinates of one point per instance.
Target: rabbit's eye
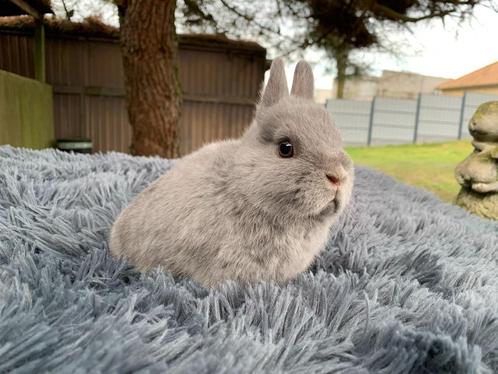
(286, 149)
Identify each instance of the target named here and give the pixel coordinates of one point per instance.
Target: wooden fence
(220, 80)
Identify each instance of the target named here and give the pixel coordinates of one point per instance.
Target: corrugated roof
(10, 8)
(92, 26)
(486, 76)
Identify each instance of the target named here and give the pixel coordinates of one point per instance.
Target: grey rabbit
(257, 208)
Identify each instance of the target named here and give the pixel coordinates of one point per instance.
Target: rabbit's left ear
(276, 88)
(303, 82)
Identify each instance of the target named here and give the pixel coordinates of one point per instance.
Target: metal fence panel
(352, 118)
(393, 121)
(439, 118)
(431, 118)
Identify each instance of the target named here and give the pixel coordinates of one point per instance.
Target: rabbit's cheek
(344, 194)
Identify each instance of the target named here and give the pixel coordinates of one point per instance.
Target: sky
(447, 51)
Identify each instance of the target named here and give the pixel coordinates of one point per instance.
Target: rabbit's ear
(303, 82)
(276, 88)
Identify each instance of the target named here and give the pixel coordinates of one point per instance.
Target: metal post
(371, 121)
(417, 118)
(40, 51)
(462, 113)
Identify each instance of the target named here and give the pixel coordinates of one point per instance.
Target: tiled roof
(486, 76)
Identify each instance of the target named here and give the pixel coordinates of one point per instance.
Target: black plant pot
(75, 145)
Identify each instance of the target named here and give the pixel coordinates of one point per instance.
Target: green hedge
(26, 112)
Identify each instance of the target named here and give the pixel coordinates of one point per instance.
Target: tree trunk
(148, 43)
(341, 62)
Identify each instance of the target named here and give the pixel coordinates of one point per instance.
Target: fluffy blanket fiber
(407, 284)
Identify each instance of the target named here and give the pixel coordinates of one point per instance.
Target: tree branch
(395, 16)
(249, 18)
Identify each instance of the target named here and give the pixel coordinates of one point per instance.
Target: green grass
(430, 166)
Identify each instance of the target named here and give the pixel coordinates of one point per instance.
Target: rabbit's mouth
(330, 209)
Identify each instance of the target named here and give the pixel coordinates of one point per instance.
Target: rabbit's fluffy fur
(236, 209)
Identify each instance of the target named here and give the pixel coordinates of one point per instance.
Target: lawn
(430, 166)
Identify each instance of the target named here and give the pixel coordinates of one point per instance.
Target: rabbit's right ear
(276, 88)
(303, 82)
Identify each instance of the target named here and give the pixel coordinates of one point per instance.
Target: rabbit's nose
(334, 180)
(337, 175)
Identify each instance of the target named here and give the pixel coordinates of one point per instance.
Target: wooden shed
(220, 80)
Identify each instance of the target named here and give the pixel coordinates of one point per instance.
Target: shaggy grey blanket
(407, 284)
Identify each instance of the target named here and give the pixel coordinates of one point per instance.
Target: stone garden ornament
(478, 173)
(258, 208)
